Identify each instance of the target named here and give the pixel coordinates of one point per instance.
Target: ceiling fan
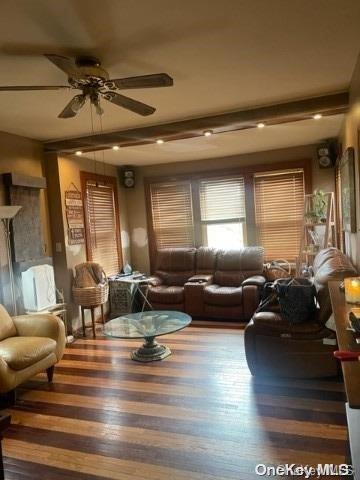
(85, 74)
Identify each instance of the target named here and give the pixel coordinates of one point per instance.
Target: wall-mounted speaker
(127, 177)
(328, 153)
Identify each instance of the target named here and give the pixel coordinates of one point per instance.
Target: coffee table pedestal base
(150, 351)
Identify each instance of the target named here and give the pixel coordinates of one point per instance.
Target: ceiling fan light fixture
(78, 153)
(208, 133)
(317, 116)
(98, 109)
(159, 141)
(261, 125)
(116, 147)
(78, 103)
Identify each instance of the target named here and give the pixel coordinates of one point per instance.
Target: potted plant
(311, 217)
(320, 205)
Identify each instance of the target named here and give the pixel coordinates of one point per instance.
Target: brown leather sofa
(273, 346)
(209, 283)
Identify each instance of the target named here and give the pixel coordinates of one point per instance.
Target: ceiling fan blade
(73, 107)
(65, 64)
(129, 103)
(20, 88)
(144, 81)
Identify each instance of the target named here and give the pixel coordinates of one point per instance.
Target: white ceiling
(222, 56)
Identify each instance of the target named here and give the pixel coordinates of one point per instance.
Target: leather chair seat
(274, 324)
(21, 352)
(166, 294)
(224, 296)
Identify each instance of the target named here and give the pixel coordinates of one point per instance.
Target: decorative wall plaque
(75, 217)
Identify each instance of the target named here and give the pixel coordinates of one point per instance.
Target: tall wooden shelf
(318, 234)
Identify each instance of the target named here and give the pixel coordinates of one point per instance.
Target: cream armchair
(29, 344)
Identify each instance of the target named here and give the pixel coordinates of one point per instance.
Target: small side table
(4, 424)
(123, 291)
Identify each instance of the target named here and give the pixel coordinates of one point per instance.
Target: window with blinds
(101, 221)
(222, 211)
(172, 214)
(279, 203)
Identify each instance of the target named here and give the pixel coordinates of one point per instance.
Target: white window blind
(172, 214)
(102, 241)
(222, 200)
(279, 203)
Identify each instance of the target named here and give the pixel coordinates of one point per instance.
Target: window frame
(107, 181)
(278, 224)
(246, 171)
(204, 223)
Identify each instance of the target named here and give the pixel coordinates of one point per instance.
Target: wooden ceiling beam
(286, 112)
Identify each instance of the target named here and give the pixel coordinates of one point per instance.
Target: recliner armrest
(154, 281)
(257, 280)
(202, 278)
(42, 325)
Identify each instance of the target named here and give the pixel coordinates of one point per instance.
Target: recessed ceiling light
(317, 116)
(116, 147)
(261, 125)
(78, 153)
(208, 133)
(159, 141)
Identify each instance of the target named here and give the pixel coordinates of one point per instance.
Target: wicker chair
(90, 290)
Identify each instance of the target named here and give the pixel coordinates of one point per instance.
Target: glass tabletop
(146, 324)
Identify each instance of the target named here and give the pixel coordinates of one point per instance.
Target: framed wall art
(348, 193)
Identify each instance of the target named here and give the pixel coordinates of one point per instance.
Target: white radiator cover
(38, 286)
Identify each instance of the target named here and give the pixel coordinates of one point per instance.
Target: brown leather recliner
(174, 266)
(273, 346)
(235, 291)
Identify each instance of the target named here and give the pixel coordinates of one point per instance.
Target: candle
(352, 289)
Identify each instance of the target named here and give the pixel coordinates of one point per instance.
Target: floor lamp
(7, 213)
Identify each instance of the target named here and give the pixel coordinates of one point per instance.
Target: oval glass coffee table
(148, 325)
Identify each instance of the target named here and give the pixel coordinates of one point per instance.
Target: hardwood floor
(196, 415)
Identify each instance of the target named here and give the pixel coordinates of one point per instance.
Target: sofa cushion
(205, 260)
(274, 323)
(7, 327)
(225, 296)
(329, 264)
(234, 266)
(176, 259)
(21, 352)
(174, 278)
(166, 294)
(247, 258)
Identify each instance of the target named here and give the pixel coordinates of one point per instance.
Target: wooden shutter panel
(172, 214)
(279, 204)
(101, 222)
(222, 199)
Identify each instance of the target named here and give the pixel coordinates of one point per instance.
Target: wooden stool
(92, 308)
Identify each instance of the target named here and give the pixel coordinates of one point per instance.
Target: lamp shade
(9, 211)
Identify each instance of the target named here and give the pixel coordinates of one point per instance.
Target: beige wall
(135, 198)
(62, 172)
(350, 138)
(69, 172)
